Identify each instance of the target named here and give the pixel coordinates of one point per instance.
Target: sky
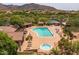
(62, 6)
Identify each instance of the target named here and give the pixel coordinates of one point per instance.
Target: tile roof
(11, 32)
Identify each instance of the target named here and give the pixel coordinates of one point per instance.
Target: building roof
(11, 32)
(7, 29)
(17, 36)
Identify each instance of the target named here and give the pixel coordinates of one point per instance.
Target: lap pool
(42, 32)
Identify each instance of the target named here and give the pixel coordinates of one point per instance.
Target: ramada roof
(53, 21)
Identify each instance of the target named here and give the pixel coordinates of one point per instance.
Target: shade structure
(53, 21)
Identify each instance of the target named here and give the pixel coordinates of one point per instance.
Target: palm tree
(29, 38)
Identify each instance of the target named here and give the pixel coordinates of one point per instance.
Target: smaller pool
(45, 47)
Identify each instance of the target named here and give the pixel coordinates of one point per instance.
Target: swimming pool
(43, 32)
(46, 46)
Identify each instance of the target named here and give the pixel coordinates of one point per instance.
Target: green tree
(17, 20)
(7, 45)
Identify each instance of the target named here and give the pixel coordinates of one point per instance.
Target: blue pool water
(43, 32)
(45, 47)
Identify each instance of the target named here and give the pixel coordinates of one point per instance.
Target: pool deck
(37, 41)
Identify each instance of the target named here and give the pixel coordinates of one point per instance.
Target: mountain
(2, 7)
(26, 7)
(37, 6)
